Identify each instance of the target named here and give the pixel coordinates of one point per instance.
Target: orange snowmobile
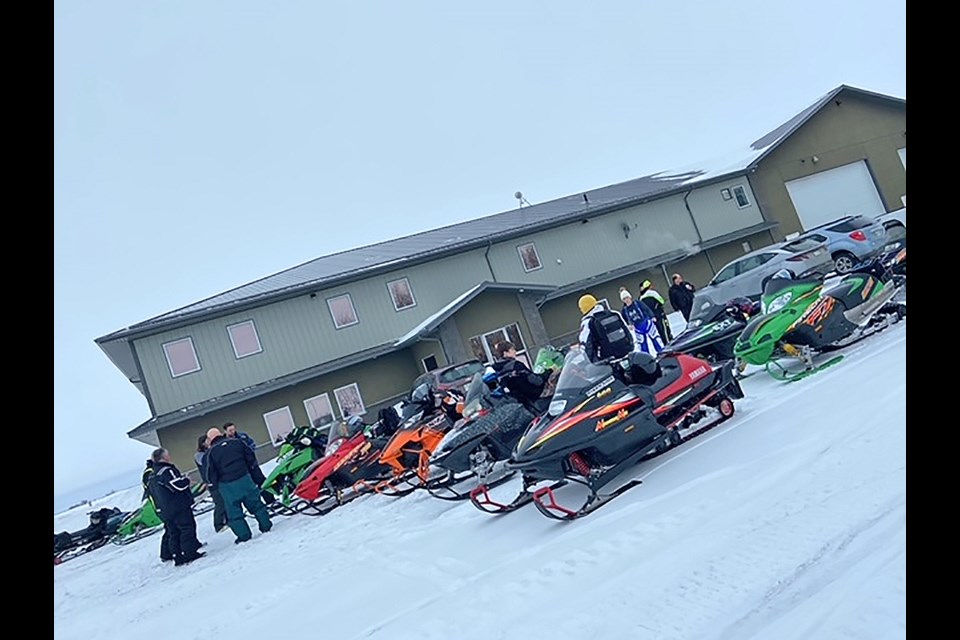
(425, 419)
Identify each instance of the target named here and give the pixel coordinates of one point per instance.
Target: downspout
(697, 229)
(486, 256)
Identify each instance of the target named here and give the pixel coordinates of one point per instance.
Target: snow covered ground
(786, 522)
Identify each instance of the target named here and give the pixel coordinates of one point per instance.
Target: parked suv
(745, 276)
(851, 240)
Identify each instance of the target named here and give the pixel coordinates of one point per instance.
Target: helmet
(490, 377)
(741, 305)
(646, 284)
(586, 302)
(784, 273)
(643, 362)
(421, 394)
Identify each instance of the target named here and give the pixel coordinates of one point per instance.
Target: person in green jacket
(650, 297)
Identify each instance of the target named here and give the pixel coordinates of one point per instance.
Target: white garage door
(832, 194)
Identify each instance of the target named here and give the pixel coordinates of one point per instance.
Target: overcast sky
(199, 146)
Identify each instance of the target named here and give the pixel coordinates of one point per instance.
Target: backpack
(611, 333)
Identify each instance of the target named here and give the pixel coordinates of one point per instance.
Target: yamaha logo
(698, 372)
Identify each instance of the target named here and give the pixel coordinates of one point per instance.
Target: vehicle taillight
(858, 236)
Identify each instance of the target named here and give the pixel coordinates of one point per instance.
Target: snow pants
(238, 494)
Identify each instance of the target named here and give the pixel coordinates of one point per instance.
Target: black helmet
(640, 361)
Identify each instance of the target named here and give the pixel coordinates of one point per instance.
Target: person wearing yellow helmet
(650, 297)
(603, 333)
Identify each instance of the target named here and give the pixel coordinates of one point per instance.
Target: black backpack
(611, 333)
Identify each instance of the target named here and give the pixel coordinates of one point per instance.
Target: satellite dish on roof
(519, 196)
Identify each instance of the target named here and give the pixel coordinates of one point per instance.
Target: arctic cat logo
(698, 372)
(600, 386)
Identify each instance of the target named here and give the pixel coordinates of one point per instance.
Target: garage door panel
(832, 194)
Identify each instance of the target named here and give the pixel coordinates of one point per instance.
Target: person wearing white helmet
(640, 316)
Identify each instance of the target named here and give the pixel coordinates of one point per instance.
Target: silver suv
(745, 276)
(851, 240)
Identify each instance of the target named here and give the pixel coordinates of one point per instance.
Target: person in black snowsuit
(516, 378)
(165, 554)
(681, 295)
(219, 510)
(230, 464)
(171, 493)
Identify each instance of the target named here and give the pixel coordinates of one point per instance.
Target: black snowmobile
(103, 525)
(606, 417)
(472, 453)
(713, 336)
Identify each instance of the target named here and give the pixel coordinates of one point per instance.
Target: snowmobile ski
(546, 503)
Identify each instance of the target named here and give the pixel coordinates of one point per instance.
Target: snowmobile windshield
(578, 372)
(477, 397)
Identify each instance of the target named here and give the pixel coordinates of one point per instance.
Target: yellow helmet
(586, 302)
(645, 285)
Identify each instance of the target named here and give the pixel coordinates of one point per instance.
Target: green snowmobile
(145, 521)
(802, 319)
(301, 448)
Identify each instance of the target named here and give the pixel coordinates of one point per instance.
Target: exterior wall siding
(858, 129)
(489, 311)
(299, 333)
(380, 382)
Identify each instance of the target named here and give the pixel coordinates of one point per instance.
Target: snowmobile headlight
(333, 446)
(778, 303)
(557, 407)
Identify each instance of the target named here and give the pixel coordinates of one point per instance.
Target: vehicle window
(857, 222)
(804, 244)
(725, 274)
(462, 371)
(751, 263)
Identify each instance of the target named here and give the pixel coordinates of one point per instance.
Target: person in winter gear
(219, 510)
(171, 491)
(650, 297)
(230, 429)
(603, 333)
(641, 317)
(165, 554)
(515, 378)
(681, 295)
(229, 466)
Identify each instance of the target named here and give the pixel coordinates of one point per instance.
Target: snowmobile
(473, 453)
(713, 336)
(301, 448)
(103, 525)
(350, 466)
(606, 417)
(426, 419)
(803, 319)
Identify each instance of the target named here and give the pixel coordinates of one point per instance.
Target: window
(529, 257)
(430, 363)
(181, 357)
(725, 274)
(807, 243)
(244, 338)
(342, 311)
(467, 370)
(319, 410)
(401, 294)
(482, 346)
(279, 423)
(349, 400)
(751, 263)
(741, 195)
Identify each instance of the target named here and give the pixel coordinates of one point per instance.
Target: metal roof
(386, 256)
